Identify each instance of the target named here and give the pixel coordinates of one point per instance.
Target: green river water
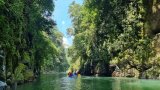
(62, 82)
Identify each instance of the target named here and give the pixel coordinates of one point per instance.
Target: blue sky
(61, 16)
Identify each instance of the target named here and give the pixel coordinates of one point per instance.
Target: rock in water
(3, 85)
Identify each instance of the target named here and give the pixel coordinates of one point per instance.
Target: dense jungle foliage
(29, 40)
(115, 33)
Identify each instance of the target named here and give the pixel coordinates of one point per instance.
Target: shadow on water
(61, 82)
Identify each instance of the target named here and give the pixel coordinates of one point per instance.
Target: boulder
(3, 85)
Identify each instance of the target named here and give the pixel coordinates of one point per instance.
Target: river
(62, 82)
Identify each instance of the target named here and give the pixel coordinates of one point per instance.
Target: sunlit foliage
(112, 32)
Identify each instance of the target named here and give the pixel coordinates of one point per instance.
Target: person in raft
(70, 74)
(75, 73)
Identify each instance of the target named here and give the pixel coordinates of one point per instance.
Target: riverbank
(12, 85)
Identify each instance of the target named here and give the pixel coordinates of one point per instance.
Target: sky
(61, 16)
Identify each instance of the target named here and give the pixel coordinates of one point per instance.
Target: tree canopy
(29, 39)
(113, 32)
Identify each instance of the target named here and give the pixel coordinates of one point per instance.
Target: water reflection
(61, 82)
(116, 84)
(134, 84)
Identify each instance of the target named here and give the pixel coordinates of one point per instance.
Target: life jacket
(70, 74)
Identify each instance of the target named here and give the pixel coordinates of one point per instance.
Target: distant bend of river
(62, 82)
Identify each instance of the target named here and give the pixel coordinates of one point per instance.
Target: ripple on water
(62, 82)
(146, 84)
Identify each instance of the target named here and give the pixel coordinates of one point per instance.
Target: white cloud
(63, 22)
(65, 42)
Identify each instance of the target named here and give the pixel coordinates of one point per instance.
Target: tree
(111, 32)
(28, 38)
